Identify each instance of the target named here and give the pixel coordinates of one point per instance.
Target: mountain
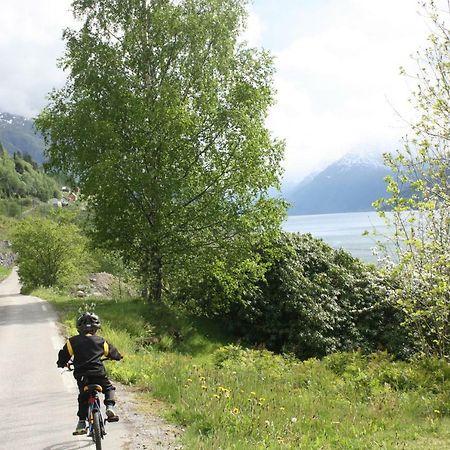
(17, 134)
(348, 185)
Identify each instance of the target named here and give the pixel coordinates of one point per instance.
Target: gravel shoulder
(146, 429)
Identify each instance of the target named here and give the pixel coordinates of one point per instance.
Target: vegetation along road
(38, 402)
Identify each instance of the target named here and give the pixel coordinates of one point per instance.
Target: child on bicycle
(87, 350)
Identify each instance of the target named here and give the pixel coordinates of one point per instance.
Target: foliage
(314, 300)
(49, 252)
(162, 121)
(239, 398)
(21, 177)
(420, 198)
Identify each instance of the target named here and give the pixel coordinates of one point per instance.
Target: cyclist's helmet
(88, 323)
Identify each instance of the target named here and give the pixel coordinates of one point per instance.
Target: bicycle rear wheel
(97, 430)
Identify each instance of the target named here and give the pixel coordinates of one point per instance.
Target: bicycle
(96, 421)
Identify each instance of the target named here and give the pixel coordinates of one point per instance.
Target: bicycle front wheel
(97, 430)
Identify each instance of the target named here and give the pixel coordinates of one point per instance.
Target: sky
(338, 83)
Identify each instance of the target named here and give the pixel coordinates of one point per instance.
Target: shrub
(49, 253)
(312, 301)
(317, 300)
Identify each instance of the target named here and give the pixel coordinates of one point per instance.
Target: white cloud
(253, 32)
(30, 43)
(338, 81)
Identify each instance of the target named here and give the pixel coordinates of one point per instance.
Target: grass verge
(4, 272)
(230, 397)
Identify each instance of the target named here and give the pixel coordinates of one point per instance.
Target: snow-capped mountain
(348, 185)
(17, 134)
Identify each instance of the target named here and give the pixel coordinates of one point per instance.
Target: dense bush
(49, 252)
(313, 301)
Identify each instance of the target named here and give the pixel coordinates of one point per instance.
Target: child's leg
(110, 392)
(82, 401)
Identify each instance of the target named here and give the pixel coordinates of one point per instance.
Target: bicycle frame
(94, 408)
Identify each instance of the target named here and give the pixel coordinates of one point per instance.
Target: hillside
(348, 185)
(20, 177)
(17, 134)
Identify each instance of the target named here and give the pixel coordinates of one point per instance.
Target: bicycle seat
(92, 387)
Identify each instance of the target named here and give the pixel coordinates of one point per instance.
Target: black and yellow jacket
(87, 351)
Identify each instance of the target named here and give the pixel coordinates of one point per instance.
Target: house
(56, 202)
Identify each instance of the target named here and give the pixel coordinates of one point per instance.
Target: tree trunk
(152, 285)
(157, 274)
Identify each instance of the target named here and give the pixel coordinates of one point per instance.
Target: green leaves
(420, 196)
(50, 253)
(162, 121)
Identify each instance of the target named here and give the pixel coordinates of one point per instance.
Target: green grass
(229, 397)
(4, 272)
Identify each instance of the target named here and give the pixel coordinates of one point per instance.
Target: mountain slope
(17, 134)
(349, 185)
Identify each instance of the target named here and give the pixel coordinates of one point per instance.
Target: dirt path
(146, 429)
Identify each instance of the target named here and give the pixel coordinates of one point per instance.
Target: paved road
(37, 400)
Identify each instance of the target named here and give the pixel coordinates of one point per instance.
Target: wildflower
(202, 379)
(437, 411)
(294, 419)
(204, 387)
(189, 380)
(253, 393)
(216, 396)
(235, 411)
(282, 408)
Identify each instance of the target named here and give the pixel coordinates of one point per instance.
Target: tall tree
(420, 195)
(162, 122)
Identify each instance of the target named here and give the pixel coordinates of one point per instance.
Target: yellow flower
(235, 411)
(282, 408)
(204, 387)
(189, 380)
(216, 396)
(202, 379)
(253, 393)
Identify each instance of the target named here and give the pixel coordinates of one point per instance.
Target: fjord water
(344, 231)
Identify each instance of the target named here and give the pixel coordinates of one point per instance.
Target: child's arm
(64, 356)
(113, 353)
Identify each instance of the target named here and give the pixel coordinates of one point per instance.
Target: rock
(81, 293)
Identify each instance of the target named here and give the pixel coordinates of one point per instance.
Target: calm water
(343, 231)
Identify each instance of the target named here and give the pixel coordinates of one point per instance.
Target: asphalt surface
(37, 400)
